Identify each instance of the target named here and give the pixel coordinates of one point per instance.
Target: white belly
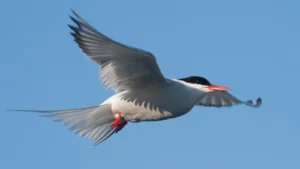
(136, 113)
(159, 104)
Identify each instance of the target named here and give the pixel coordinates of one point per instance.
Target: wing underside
(224, 99)
(121, 67)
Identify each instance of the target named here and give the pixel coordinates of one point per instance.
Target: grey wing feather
(122, 67)
(102, 133)
(224, 99)
(92, 122)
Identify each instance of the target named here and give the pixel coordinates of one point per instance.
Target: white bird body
(173, 100)
(142, 92)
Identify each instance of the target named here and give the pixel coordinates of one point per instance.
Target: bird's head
(202, 84)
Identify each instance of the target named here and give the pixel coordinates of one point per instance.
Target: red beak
(217, 88)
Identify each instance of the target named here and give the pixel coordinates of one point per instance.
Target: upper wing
(221, 99)
(122, 67)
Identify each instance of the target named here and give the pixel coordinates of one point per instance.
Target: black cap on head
(196, 80)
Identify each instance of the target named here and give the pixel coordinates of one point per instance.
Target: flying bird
(142, 93)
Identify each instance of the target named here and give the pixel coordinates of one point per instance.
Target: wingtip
(257, 103)
(76, 14)
(73, 11)
(74, 20)
(73, 28)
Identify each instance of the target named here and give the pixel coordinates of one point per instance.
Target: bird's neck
(193, 91)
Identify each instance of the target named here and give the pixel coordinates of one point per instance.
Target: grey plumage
(122, 67)
(92, 122)
(224, 99)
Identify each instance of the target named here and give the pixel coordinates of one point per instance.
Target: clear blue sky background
(253, 47)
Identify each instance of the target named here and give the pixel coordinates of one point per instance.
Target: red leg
(115, 123)
(121, 126)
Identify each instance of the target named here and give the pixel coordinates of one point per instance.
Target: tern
(142, 93)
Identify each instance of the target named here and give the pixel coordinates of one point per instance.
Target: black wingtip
(75, 29)
(258, 102)
(76, 14)
(73, 11)
(77, 22)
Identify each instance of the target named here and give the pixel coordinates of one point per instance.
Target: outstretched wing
(223, 99)
(122, 67)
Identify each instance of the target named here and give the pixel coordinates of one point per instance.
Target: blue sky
(250, 46)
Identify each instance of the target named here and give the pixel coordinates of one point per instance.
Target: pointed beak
(217, 88)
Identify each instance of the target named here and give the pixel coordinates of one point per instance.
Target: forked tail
(92, 122)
